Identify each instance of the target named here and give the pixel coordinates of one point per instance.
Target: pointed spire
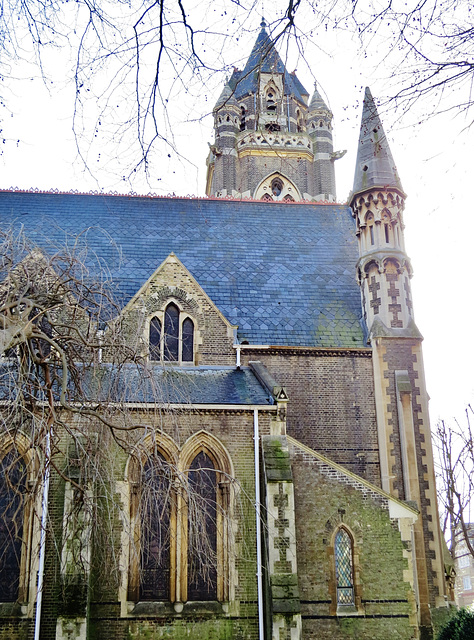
(375, 166)
(264, 58)
(317, 103)
(226, 98)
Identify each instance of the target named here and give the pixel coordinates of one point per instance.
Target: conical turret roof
(227, 97)
(264, 58)
(317, 103)
(375, 166)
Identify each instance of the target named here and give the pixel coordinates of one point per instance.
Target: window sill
(167, 609)
(13, 610)
(348, 610)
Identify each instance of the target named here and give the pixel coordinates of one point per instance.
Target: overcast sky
(434, 160)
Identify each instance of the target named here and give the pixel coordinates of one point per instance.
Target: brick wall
(324, 500)
(331, 407)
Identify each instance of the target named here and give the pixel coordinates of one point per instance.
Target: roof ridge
(169, 196)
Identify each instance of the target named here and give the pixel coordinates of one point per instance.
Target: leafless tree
(130, 60)
(455, 479)
(71, 366)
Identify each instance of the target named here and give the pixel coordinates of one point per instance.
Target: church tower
(401, 399)
(270, 142)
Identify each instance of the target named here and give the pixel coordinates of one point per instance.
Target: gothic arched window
(370, 225)
(12, 514)
(180, 509)
(155, 339)
(277, 187)
(242, 119)
(155, 511)
(343, 555)
(171, 339)
(299, 122)
(187, 354)
(271, 99)
(171, 348)
(202, 529)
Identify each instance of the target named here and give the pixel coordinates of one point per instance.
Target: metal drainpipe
(237, 355)
(259, 526)
(288, 111)
(42, 550)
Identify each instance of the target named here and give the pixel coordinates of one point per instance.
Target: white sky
(434, 159)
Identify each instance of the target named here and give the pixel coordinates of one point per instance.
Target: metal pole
(259, 526)
(42, 547)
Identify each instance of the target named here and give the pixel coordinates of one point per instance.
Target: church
(276, 400)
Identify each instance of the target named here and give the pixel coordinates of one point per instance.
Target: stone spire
(226, 98)
(317, 102)
(375, 166)
(377, 203)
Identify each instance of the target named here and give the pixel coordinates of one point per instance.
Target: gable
(172, 284)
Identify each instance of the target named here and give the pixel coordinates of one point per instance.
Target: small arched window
(387, 229)
(271, 99)
(188, 341)
(277, 187)
(299, 122)
(155, 339)
(343, 555)
(12, 512)
(242, 118)
(202, 519)
(370, 225)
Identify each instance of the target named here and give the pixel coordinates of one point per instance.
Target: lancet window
(343, 555)
(171, 337)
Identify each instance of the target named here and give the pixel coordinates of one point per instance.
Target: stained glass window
(344, 573)
(155, 339)
(155, 530)
(12, 497)
(188, 339)
(202, 530)
(171, 351)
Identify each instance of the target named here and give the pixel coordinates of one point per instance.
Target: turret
(222, 156)
(274, 154)
(319, 127)
(401, 399)
(377, 203)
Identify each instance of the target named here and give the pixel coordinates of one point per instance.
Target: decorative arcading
(378, 203)
(281, 140)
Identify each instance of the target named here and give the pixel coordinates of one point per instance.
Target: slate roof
(317, 103)
(264, 58)
(156, 383)
(374, 166)
(285, 273)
